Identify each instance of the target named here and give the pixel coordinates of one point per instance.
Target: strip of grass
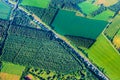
(103, 54)
(4, 10)
(87, 7)
(106, 15)
(12, 68)
(118, 34)
(36, 3)
(67, 23)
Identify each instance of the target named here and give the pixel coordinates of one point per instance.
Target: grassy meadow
(36, 3)
(65, 24)
(105, 15)
(104, 55)
(87, 7)
(4, 10)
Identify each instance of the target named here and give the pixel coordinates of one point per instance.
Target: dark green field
(4, 10)
(66, 23)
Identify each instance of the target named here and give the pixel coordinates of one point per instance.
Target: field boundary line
(111, 44)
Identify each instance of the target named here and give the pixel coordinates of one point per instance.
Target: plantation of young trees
(3, 26)
(22, 19)
(80, 42)
(33, 47)
(100, 10)
(115, 7)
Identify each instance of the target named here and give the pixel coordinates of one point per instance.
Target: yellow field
(6, 76)
(116, 40)
(106, 2)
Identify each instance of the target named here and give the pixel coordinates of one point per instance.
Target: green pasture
(12, 68)
(87, 7)
(104, 55)
(67, 23)
(36, 3)
(105, 15)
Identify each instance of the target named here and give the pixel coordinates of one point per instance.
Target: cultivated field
(87, 7)
(116, 40)
(113, 28)
(4, 10)
(105, 15)
(65, 24)
(104, 55)
(12, 68)
(36, 3)
(6, 76)
(106, 2)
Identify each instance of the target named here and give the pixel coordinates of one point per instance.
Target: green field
(103, 54)
(87, 7)
(36, 3)
(113, 28)
(65, 24)
(4, 10)
(12, 68)
(106, 15)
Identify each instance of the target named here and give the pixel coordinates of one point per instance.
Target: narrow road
(78, 53)
(10, 19)
(88, 64)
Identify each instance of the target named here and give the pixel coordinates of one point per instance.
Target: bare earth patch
(106, 2)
